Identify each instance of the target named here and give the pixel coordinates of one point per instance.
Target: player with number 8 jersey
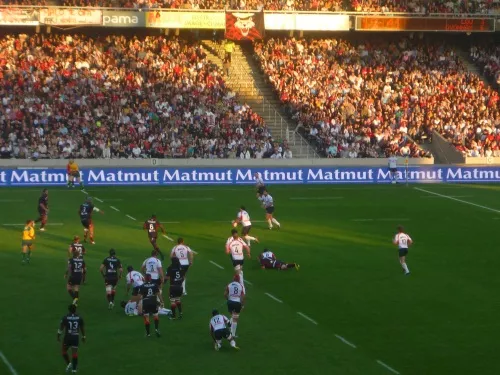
(185, 256)
(111, 270)
(150, 292)
(235, 295)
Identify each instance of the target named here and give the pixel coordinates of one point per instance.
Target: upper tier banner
(19, 16)
(236, 176)
(70, 16)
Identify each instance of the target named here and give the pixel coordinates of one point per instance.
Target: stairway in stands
(248, 83)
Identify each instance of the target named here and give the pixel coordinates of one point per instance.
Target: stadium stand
(75, 96)
(371, 98)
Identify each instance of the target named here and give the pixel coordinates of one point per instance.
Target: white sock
(247, 238)
(242, 282)
(232, 343)
(233, 329)
(184, 286)
(276, 222)
(270, 223)
(405, 267)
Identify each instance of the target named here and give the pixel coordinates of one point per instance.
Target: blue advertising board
(224, 176)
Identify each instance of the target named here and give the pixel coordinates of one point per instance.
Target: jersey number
(73, 326)
(83, 211)
(151, 268)
(151, 228)
(236, 249)
(235, 290)
(150, 292)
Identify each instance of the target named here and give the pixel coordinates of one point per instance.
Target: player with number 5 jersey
(185, 255)
(175, 274)
(235, 246)
(235, 296)
(111, 270)
(403, 241)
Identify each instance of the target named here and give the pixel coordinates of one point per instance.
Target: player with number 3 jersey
(153, 266)
(185, 256)
(403, 241)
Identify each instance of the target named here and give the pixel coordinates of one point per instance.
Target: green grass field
(442, 319)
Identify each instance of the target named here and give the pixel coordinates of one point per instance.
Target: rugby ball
(235, 224)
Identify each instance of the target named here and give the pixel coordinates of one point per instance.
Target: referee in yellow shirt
(27, 241)
(73, 174)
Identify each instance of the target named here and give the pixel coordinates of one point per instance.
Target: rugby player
(175, 274)
(85, 212)
(135, 280)
(403, 241)
(235, 296)
(268, 261)
(268, 204)
(73, 173)
(77, 248)
(185, 256)
(74, 274)
(393, 168)
(243, 218)
(153, 266)
(235, 246)
(259, 184)
(135, 308)
(43, 209)
(150, 292)
(111, 270)
(27, 241)
(219, 329)
(152, 225)
(71, 326)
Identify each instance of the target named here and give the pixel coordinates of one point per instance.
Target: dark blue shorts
(403, 252)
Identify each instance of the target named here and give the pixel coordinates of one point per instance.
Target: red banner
(245, 25)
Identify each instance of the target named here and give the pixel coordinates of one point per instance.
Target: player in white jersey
(268, 204)
(393, 168)
(185, 256)
(134, 281)
(219, 329)
(235, 296)
(133, 308)
(243, 218)
(235, 246)
(403, 241)
(259, 184)
(152, 265)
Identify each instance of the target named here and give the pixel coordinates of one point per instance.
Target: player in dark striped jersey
(259, 184)
(43, 209)
(268, 261)
(175, 274)
(71, 326)
(85, 212)
(111, 270)
(149, 292)
(268, 204)
(152, 226)
(77, 248)
(74, 274)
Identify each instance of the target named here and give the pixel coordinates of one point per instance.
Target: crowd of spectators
(75, 96)
(384, 6)
(376, 97)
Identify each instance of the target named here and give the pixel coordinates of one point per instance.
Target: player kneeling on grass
(74, 273)
(149, 292)
(403, 241)
(27, 241)
(71, 325)
(135, 280)
(219, 330)
(235, 296)
(268, 261)
(235, 246)
(175, 274)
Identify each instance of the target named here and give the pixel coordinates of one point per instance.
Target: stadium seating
(369, 98)
(76, 96)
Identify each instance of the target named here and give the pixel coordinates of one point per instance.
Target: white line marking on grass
(114, 208)
(186, 199)
(11, 200)
(18, 225)
(459, 200)
(113, 200)
(99, 200)
(273, 297)
(7, 363)
(229, 221)
(394, 219)
(171, 222)
(307, 318)
(247, 282)
(496, 218)
(345, 341)
(314, 198)
(131, 217)
(362, 219)
(387, 366)
(216, 265)
(84, 192)
(451, 196)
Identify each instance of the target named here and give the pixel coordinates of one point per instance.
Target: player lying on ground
(243, 218)
(74, 274)
(268, 261)
(27, 241)
(133, 308)
(43, 209)
(235, 296)
(219, 330)
(71, 325)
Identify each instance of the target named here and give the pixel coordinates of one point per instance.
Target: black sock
(108, 296)
(157, 323)
(75, 362)
(112, 297)
(179, 306)
(71, 293)
(66, 358)
(76, 294)
(172, 307)
(290, 265)
(147, 327)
